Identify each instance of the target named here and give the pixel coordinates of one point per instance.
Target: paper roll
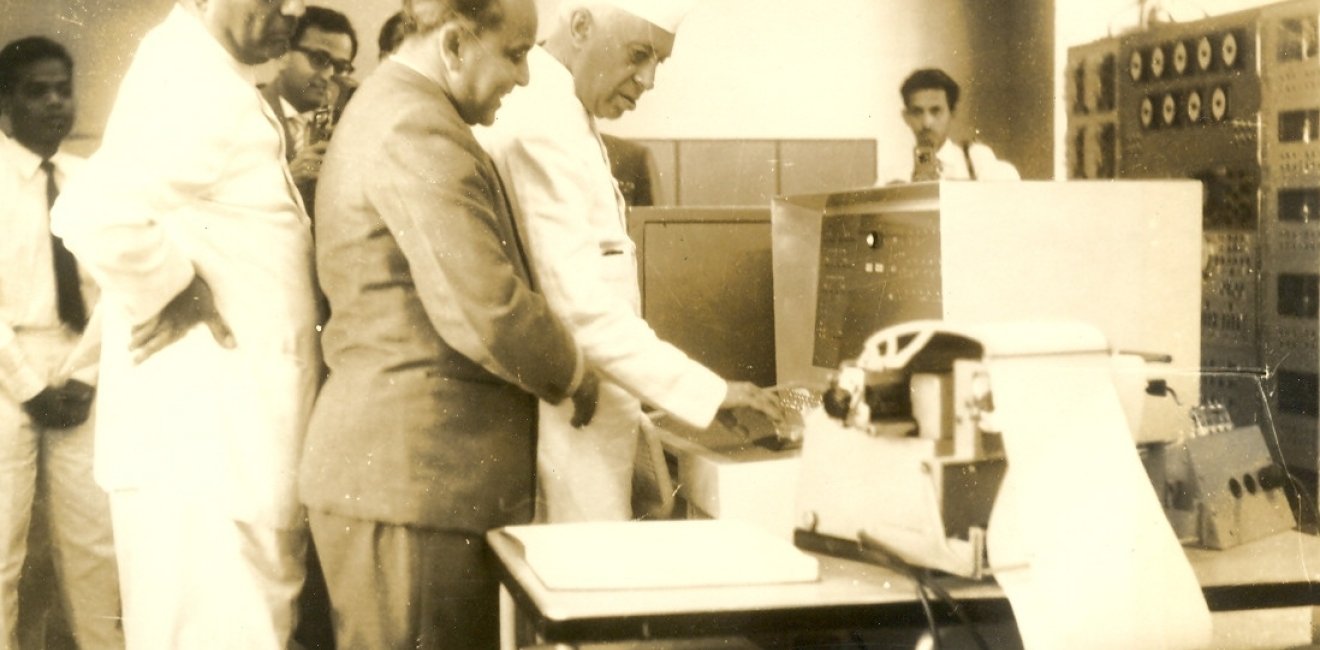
(1077, 538)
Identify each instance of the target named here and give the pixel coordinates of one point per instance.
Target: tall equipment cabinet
(1232, 101)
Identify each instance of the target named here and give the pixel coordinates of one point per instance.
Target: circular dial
(1180, 57)
(1204, 53)
(1218, 104)
(1147, 112)
(1194, 106)
(1157, 62)
(1135, 64)
(1169, 109)
(1228, 50)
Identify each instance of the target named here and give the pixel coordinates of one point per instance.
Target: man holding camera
(307, 92)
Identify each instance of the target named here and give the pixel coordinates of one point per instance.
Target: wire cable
(876, 551)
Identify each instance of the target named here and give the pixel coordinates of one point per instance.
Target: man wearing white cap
(598, 60)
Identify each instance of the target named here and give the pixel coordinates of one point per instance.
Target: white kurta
(573, 219)
(191, 178)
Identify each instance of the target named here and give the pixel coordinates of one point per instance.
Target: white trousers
(195, 579)
(78, 513)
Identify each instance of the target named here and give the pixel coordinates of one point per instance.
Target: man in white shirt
(597, 62)
(930, 100)
(47, 358)
(305, 92)
(188, 219)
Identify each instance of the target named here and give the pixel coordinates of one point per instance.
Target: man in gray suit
(424, 435)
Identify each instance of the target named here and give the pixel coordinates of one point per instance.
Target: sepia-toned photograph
(659, 324)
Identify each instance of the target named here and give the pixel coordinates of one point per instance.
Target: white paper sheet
(1077, 538)
(660, 554)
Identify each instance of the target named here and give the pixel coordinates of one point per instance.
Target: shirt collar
(553, 74)
(289, 111)
(27, 163)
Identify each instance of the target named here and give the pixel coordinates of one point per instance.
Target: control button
(1147, 112)
(1180, 57)
(1135, 65)
(1169, 109)
(1157, 62)
(1204, 53)
(1194, 106)
(1218, 104)
(1228, 50)
(1271, 478)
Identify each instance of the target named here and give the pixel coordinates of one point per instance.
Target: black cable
(873, 549)
(930, 616)
(956, 608)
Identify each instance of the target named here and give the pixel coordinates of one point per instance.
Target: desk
(1274, 572)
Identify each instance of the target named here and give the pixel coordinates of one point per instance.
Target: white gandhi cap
(665, 14)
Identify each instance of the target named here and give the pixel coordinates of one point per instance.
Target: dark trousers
(406, 587)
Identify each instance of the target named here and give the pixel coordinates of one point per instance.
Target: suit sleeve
(553, 195)
(438, 205)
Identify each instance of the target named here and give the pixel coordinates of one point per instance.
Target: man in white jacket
(188, 219)
(598, 60)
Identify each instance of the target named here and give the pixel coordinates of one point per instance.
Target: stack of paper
(660, 554)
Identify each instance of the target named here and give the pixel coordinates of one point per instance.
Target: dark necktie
(67, 285)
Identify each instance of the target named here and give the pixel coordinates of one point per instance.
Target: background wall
(748, 69)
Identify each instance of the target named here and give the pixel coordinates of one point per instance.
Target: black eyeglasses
(320, 59)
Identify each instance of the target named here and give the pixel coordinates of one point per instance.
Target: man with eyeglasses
(306, 92)
(596, 63)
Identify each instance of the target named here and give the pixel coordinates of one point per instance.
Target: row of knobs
(1153, 64)
(1193, 108)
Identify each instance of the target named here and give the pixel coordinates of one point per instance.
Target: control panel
(876, 270)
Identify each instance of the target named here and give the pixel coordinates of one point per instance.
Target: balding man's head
(612, 50)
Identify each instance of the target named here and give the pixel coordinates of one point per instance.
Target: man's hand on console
(744, 395)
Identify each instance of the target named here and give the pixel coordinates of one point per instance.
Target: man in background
(188, 219)
(391, 34)
(930, 100)
(307, 92)
(424, 436)
(48, 354)
(599, 59)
